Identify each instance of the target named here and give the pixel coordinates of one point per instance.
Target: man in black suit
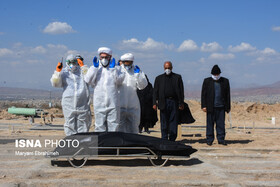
(168, 97)
(215, 101)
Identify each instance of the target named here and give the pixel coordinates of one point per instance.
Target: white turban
(105, 50)
(127, 57)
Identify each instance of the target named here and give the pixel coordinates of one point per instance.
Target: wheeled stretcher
(118, 144)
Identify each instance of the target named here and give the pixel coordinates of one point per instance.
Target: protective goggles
(73, 62)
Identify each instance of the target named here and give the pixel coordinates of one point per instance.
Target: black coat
(208, 93)
(148, 114)
(159, 86)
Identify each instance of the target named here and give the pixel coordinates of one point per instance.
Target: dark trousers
(218, 117)
(169, 120)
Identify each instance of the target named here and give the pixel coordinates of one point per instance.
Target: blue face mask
(72, 66)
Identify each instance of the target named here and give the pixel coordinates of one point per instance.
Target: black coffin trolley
(118, 144)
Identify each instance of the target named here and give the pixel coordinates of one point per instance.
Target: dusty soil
(251, 158)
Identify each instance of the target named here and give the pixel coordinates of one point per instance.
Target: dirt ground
(251, 158)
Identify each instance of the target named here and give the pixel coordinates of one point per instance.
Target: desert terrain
(251, 158)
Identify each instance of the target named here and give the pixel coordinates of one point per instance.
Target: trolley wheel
(158, 162)
(83, 160)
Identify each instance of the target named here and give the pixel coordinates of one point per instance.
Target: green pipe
(22, 111)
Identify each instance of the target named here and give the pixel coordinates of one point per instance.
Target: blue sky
(242, 37)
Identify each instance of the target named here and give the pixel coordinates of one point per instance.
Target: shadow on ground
(203, 140)
(191, 135)
(127, 162)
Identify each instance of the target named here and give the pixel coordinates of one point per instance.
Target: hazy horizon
(188, 87)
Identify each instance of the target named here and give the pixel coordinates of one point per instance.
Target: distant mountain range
(271, 89)
(8, 93)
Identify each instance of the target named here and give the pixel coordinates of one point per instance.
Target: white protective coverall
(75, 98)
(129, 101)
(104, 81)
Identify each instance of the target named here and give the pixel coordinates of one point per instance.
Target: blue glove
(95, 62)
(136, 69)
(112, 63)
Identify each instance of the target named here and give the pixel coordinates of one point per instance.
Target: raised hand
(59, 66)
(112, 63)
(136, 69)
(80, 62)
(95, 62)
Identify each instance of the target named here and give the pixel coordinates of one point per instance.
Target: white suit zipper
(75, 91)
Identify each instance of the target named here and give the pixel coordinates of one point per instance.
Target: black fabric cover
(148, 114)
(120, 139)
(185, 116)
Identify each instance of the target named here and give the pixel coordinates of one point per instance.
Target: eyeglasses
(106, 57)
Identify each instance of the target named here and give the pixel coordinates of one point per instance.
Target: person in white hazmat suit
(76, 96)
(129, 101)
(105, 76)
